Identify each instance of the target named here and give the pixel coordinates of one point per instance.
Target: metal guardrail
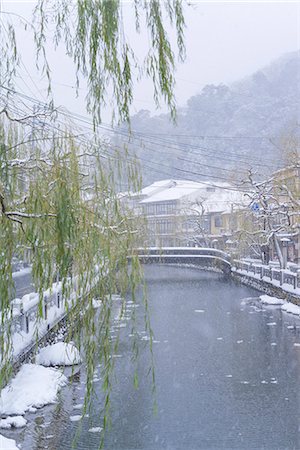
(268, 273)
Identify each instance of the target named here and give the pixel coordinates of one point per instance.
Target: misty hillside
(241, 125)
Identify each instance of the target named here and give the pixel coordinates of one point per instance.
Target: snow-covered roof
(155, 187)
(203, 195)
(172, 190)
(148, 190)
(223, 201)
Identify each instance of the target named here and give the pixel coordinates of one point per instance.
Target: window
(148, 209)
(165, 208)
(218, 221)
(164, 226)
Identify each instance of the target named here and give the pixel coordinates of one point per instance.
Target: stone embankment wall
(283, 283)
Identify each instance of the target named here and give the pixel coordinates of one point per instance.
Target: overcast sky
(225, 41)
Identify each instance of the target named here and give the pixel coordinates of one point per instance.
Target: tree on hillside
(58, 190)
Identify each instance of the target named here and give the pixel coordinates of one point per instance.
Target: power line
(143, 159)
(134, 135)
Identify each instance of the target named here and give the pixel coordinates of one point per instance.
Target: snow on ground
(285, 286)
(75, 418)
(97, 303)
(13, 422)
(79, 406)
(285, 306)
(7, 444)
(60, 354)
(22, 272)
(33, 386)
(291, 308)
(30, 300)
(288, 307)
(268, 300)
(22, 340)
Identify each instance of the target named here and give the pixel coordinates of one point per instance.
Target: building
(286, 185)
(187, 213)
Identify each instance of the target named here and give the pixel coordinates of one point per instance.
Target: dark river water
(227, 375)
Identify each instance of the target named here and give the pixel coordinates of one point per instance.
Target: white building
(181, 212)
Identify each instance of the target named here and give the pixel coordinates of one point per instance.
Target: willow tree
(58, 197)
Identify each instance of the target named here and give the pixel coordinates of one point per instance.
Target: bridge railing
(182, 251)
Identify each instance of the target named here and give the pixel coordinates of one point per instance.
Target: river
(227, 375)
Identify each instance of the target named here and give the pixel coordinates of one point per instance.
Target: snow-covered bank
(33, 387)
(7, 444)
(291, 308)
(21, 272)
(60, 354)
(27, 325)
(268, 300)
(13, 422)
(288, 307)
(270, 276)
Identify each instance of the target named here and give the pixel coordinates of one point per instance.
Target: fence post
(58, 299)
(25, 322)
(45, 309)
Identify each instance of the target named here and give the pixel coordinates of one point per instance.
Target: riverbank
(268, 286)
(253, 280)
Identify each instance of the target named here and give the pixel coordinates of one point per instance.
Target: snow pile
(21, 273)
(75, 418)
(60, 354)
(33, 386)
(285, 306)
(13, 422)
(7, 444)
(267, 300)
(30, 300)
(288, 307)
(97, 303)
(291, 308)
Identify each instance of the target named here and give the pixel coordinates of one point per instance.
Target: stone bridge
(203, 257)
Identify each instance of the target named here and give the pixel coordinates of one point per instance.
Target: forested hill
(224, 129)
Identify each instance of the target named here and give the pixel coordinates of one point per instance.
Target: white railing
(25, 320)
(273, 275)
(25, 310)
